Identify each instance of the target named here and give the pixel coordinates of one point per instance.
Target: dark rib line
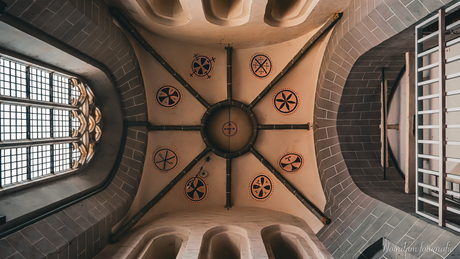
(308, 204)
(115, 237)
(284, 126)
(229, 184)
(326, 27)
(229, 72)
(174, 127)
(131, 29)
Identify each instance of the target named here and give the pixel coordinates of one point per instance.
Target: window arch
(49, 122)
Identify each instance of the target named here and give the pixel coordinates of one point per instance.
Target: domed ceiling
(230, 89)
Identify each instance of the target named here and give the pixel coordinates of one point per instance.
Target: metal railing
(438, 189)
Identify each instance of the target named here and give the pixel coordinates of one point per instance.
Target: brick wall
(357, 219)
(82, 230)
(358, 121)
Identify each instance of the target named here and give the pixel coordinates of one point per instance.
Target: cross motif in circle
(261, 187)
(286, 101)
(291, 162)
(229, 128)
(165, 159)
(261, 65)
(196, 189)
(168, 96)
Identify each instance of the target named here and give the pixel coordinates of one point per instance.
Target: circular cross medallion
(201, 66)
(196, 189)
(168, 96)
(165, 159)
(261, 66)
(229, 128)
(261, 187)
(286, 101)
(291, 162)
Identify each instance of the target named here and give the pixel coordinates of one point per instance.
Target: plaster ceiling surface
(169, 152)
(240, 23)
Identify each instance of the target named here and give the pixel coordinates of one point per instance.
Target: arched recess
(363, 26)
(228, 12)
(162, 243)
(226, 242)
(286, 13)
(166, 12)
(285, 241)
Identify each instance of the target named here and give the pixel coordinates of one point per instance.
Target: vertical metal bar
(442, 118)
(418, 121)
(229, 71)
(69, 85)
(28, 82)
(383, 129)
(51, 123)
(229, 184)
(410, 162)
(29, 174)
(2, 175)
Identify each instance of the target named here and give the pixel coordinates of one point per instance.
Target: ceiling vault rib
(308, 204)
(174, 127)
(132, 30)
(228, 204)
(324, 29)
(284, 126)
(125, 228)
(229, 71)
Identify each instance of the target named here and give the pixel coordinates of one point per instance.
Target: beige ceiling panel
(246, 85)
(274, 144)
(301, 81)
(210, 82)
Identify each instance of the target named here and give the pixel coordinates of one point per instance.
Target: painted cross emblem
(165, 159)
(261, 66)
(229, 128)
(261, 187)
(291, 162)
(202, 66)
(196, 189)
(168, 96)
(286, 101)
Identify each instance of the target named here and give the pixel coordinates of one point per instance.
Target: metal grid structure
(40, 160)
(62, 157)
(12, 78)
(61, 123)
(13, 122)
(61, 88)
(14, 166)
(437, 117)
(35, 122)
(40, 123)
(39, 84)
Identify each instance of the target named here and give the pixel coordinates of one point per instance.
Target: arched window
(49, 122)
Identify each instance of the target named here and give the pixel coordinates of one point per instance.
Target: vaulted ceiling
(241, 23)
